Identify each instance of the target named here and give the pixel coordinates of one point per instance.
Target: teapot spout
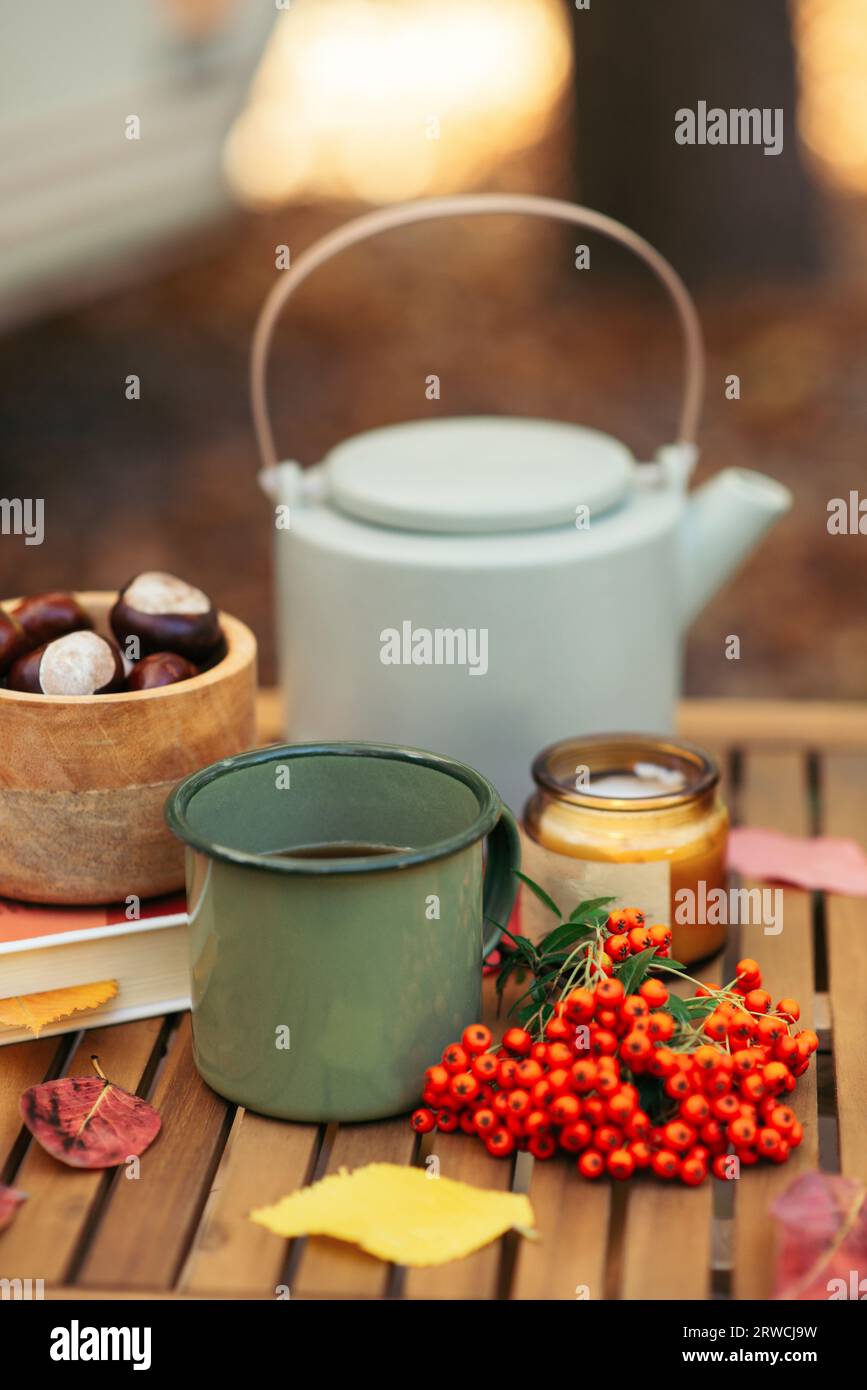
(723, 521)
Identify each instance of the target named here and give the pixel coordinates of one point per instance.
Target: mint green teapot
(486, 586)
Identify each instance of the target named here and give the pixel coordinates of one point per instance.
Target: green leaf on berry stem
(538, 990)
(633, 971)
(700, 1008)
(507, 968)
(567, 934)
(524, 948)
(534, 1011)
(591, 907)
(539, 892)
(677, 1008)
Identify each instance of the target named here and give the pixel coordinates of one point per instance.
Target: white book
(49, 948)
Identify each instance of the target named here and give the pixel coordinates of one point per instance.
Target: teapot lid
(488, 473)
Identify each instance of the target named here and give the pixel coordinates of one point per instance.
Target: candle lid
(625, 772)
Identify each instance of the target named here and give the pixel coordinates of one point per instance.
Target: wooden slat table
(180, 1230)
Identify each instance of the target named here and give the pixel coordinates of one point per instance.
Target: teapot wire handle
(468, 205)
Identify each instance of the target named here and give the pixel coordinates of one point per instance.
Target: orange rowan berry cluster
(628, 934)
(628, 1081)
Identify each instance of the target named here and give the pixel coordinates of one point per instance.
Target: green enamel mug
(341, 902)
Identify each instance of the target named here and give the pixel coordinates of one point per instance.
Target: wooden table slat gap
(775, 793)
(398, 1279)
(184, 1279)
(463, 1157)
(511, 1242)
(90, 1225)
(733, 777)
(149, 1225)
(144, 1088)
(158, 1060)
(844, 812)
(264, 1159)
(395, 1287)
(23, 1065)
(398, 1276)
(723, 1205)
(819, 900)
(667, 1241)
(829, 1136)
(319, 1167)
(572, 1218)
(619, 1196)
(207, 1179)
(150, 1079)
(49, 1228)
(815, 790)
(328, 1263)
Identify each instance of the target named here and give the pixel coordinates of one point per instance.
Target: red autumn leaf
(87, 1121)
(10, 1200)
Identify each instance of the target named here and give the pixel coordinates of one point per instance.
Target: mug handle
(501, 885)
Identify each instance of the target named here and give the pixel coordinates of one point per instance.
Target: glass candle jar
(645, 816)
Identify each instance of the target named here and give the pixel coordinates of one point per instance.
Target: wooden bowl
(83, 780)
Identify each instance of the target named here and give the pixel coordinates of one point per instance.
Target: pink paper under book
(48, 948)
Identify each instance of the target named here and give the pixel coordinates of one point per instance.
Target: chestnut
(166, 615)
(13, 641)
(81, 663)
(46, 616)
(160, 668)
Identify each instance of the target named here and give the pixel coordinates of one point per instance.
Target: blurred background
(161, 158)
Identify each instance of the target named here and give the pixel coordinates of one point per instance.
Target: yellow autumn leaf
(399, 1214)
(36, 1011)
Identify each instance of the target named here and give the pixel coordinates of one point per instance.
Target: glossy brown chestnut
(81, 663)
(13, 641)
(160, 668)
(46, 616)
(165, 614)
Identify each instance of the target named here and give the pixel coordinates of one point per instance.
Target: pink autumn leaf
(87, 1121)
(811, 862)
(822, 1246)
(10, 1200)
